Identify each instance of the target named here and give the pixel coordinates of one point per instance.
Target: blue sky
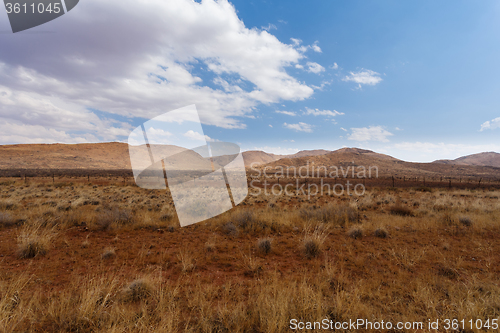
(418, 80)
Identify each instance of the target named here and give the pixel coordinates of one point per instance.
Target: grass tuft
(264, 245)
(355, 232)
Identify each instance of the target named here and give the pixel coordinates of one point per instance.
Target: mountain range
(115, 156)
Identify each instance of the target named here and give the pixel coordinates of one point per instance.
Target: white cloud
(269, 27)
(364, 76)
(301, 127)
(276, 150)
(23, 133)
(315, 47)
(428, 151)
(270, 125)
(334, 66)
(288, 113)
(156, 136)
(491, 124)
(299, 66)
(313, 67)
(343, 129)
(328, 113)
(193, 135)
(296, 41)
(30, 112)
(148, 68)
(372, 133)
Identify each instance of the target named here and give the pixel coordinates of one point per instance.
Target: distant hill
(258, 157)
(115, 156)
(386, 165)
(481, 159)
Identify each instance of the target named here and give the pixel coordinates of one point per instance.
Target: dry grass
(264, 245)
(33, 240)
(282, 258)
(355, 232)
(313, 242)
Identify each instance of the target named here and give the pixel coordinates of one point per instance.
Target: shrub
(466, 221)
(264, 245)
(380, 233)
(399, 209)
(138, 290)
(313, 243)
(113, 215)
(355, 232)
(230, 229)
(210, 245)
(447, 219)
(331, 214)
(245, 219)
(32, 242)
(109, 253)
(187, 260)
(6, 220)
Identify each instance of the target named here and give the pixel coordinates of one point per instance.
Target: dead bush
(465, 221)
(6, 220)
(380, 233)
(264, 245)
(355, 232)
(399, 209)
(34, 241)
(138, 290)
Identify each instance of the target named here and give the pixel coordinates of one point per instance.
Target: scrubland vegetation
(112, 258)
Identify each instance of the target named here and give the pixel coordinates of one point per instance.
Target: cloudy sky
(418, 80)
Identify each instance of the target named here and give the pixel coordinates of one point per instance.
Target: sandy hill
(481, 159)
(92, 156)
(105, 156)
(259, 157)
(387, 166)
(115, 156)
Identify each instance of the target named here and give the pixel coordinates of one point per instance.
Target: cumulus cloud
(334, 66)
(315, 47)
(143, 69)
(363, 77)
(301, 127)
(198, 136)
(314, 67)
(288, 113)
(491, 124)
(328, 113)
(372, 133)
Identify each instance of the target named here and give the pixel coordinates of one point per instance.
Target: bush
(230, 229)
(109, 253)
(355, 232)
(138, 290)
(380, 233)
(6, 220)
(113, 215)
(264, 245)
(338, 215)
(33, 242)
(466, 221)
(313, 243)
(401, 210)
